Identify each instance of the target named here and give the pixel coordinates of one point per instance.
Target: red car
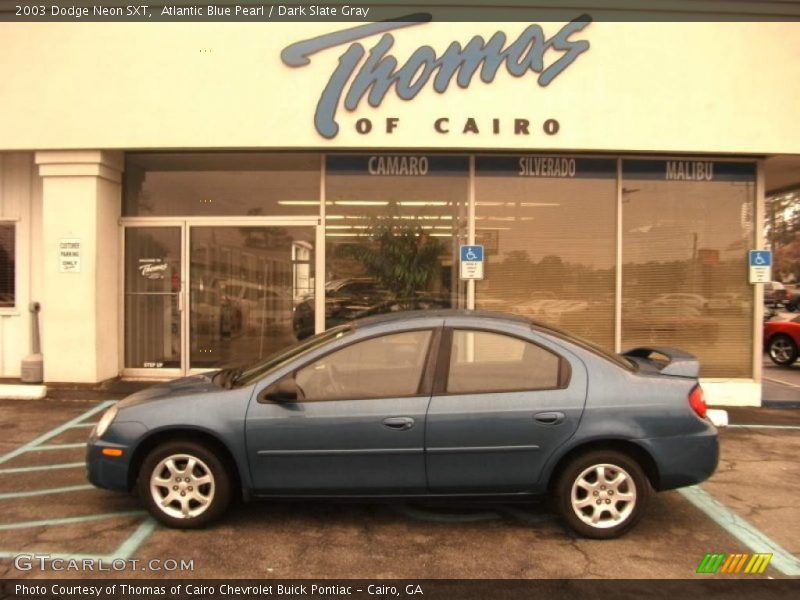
(782, 340)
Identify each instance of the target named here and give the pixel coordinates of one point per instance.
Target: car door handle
(399, 423)
(550, 418)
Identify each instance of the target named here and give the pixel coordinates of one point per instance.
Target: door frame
(185, 224)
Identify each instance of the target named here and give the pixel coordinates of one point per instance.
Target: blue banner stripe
(397, 165)
(535, 166)
(688, 170)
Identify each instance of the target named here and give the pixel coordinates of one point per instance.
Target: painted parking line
(71, 520)
(74, 465)
(782, 560)
(45, 492)
(126, 549)
(54, 432)
(58, 446)
(788, 427)
(782, 382)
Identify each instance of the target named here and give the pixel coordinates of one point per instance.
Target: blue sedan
(420, 404)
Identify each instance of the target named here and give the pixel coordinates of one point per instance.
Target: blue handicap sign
(760, 258)
(471, 253)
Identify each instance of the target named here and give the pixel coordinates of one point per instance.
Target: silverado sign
(372, 74)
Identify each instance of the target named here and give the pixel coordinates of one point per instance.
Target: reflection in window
(7, 266)
(550, 241)
(388, 366)
(392, 240)
(490, 362)
(190, 184)
(684, 268)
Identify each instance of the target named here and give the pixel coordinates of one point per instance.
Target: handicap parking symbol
(472, 253)
(760, 258)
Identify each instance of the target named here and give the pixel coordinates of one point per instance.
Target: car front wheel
(602, 494)
(184, 484)
(782, 350)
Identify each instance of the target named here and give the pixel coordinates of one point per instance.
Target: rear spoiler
(668, 361)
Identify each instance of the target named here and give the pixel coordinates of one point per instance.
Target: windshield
(255, 371)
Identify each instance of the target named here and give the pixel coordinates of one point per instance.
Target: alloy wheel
(603, 496)
(781, 350)
(182, 486)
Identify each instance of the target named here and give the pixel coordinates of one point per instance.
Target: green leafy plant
(400, 256)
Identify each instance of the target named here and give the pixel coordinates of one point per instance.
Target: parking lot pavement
(780, 385)
(46, 506)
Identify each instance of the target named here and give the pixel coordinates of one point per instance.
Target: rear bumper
(684, 460)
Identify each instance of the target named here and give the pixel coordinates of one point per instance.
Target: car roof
(443, 313)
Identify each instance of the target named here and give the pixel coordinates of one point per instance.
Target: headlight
(105, 421)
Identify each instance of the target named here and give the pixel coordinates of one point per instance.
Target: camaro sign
(373, 73)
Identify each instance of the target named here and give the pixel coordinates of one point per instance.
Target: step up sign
(471, 262)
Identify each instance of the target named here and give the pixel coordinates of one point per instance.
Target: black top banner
(375, 10)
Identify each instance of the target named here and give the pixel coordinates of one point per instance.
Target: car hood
(185, 386)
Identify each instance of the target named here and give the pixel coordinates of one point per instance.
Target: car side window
(388, 366)
(483, 361)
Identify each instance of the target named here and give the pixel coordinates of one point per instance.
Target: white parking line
(781, 381)
(782, 560)
(765, 426)
(70, 520)
(74, 465)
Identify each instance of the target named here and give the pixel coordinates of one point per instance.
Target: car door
(503, 401)
(358, 425)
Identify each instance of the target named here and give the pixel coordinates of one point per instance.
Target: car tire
(198, 495)
(782, 350)
(592, 499)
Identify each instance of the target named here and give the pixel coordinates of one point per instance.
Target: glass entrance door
(153, 300)
(201, 296)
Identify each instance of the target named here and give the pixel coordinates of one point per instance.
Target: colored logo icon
(732, 564)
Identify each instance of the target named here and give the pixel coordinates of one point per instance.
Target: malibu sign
(372, 74)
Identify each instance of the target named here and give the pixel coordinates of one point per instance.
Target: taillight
(697, 401)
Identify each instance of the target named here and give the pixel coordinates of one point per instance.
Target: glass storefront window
(244, 284)
(687, 226)
(548, 227)
(221, 184)
(392, 231)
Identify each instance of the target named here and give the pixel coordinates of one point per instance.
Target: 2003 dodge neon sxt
(445, 403)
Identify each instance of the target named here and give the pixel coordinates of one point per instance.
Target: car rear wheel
(782, 350)
(602, 494)
(183, 484)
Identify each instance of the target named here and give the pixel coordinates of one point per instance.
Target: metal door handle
(399, 423)
(550, 418)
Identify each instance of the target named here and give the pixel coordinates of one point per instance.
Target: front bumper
(112, 472)
(684, 460)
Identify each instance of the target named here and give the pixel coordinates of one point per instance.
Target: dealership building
(180, 197)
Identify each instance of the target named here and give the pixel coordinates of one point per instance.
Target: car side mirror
(283, 390)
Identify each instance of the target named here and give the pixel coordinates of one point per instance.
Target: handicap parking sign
(471, 262)
(760, 262)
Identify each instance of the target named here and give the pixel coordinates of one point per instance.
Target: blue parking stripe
(129, 547)
(71, 520)
(58, 490)
(54, 432)
(57, 447)
(74, 465)
(782, 560)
